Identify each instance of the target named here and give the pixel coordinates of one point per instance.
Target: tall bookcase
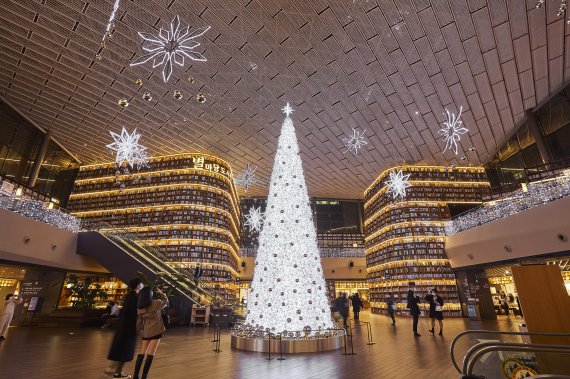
(405, 237)
(185, 204)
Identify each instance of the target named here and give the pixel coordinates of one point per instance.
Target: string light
(452, 130)
(38, 211)
(536, 194)
(354, 142)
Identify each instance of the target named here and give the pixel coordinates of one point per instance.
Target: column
(38, 160)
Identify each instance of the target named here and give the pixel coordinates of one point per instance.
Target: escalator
(126, 258)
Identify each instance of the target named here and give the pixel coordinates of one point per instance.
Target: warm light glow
(149, 228)
(394, 241)
(19, 191)
(156, 189)
(405, 224)
(443, 183)
(402, 263)
(159, 208)
(161, 158)
(205, 266)
(418, 168)
(188, 241)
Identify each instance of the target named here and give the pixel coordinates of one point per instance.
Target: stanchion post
(280, 348)
(269, 348)
(369, 327)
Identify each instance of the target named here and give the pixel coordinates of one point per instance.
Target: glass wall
(19, 144)
(520, 151)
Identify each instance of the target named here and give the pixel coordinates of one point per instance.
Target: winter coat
(150, 318)
(341, 306)
(356, 303)
(125, 340)
(413, 305)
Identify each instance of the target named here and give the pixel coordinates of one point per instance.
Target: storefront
(488, 291)
(10, 280)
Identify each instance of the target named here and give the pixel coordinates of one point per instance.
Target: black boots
(138, 365)
(441, 332)
(147, 365)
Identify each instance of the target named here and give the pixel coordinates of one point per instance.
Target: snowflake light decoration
(354, 142)
(397, 184)
(171, 46)
(247, 177)
(452, 131)
(254, 219)
(128, 149)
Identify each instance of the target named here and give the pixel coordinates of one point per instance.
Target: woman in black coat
(125, 340)
(435, 310)
(413, 306)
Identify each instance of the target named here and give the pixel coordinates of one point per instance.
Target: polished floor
(50, 353)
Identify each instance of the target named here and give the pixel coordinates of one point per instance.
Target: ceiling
(389, 67)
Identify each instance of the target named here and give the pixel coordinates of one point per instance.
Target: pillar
(536, 131)
(38, 160)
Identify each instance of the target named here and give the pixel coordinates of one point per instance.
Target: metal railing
(485, 345)
(481, 349)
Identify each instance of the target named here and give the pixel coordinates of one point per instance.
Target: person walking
(391, 308)
(414, 307)
(341, 306)
(7, 315)
(150, 322)
(435, 310)
(125, 340)
(356, 305)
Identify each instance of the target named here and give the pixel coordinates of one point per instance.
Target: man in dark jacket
(414, 307)
(356, 304)
(125, 340)
(341, 306)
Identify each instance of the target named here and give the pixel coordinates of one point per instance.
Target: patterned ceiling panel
(388, 67)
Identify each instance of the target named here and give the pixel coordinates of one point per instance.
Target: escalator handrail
(480, 349)
(142, 263)
(476, 331)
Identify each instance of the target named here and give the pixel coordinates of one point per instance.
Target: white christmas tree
(288, 290)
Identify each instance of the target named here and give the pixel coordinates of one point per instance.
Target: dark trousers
(392, 315)
(416, 318)
(356, 313)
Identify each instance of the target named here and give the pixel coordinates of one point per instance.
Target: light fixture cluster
(39, 211)
(288, 290)
(530, 196)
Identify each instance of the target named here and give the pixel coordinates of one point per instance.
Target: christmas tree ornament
(170, 46)
(129, 151)
(201, 98)
(177, 94)
(452, 131)
(398, 183)
(123, 103)
(191, 79)
(147, 96)
(354, 142)
(139, 82)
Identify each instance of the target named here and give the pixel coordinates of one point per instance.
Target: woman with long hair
(150, 322)
(125, 339)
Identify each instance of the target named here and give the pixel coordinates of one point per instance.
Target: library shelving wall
(186, 205)
(404, 237)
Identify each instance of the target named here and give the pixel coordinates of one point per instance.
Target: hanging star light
(397, 184)
(247, 177)
(254, 219)
(288, 109)
(128, 149)
(110, 24)
(171, 46)
(354, 142)
(452, 131)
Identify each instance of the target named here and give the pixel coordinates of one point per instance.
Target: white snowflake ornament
(171, 46)
(128, 149)
(354, 142)
(452, 130)
(247, 177)
(254, 219)
(398, 183)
